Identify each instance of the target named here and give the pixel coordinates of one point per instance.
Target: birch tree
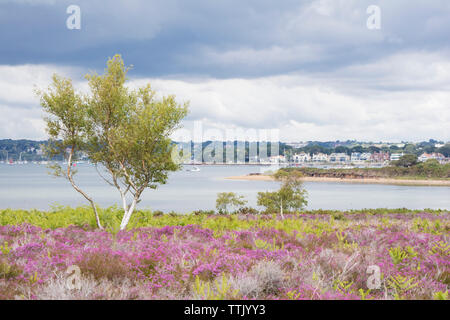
(225, 199)
(125, 133)
(129, 134)
(66, 126)
(290, 197)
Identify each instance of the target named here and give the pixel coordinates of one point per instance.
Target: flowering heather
(305, 256)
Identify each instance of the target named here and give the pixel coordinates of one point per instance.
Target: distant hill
(15, 150)
(31, 150)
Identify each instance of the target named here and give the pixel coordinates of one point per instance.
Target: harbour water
(29, 186)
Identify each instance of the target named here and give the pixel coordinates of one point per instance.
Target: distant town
(309, 153)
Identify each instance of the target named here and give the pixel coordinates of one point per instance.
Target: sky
(310, 70)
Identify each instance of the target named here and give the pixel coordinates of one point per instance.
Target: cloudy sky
(311, 69)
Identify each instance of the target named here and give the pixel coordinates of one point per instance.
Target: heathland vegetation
(313, 255)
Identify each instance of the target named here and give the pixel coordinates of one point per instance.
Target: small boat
(194, 169)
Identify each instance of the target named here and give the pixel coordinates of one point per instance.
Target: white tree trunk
(281, 209)
(127, 214)
(72, 182)
(124, 201)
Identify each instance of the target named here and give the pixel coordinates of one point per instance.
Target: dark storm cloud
(219, 38)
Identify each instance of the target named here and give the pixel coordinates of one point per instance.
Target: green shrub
(9, 271)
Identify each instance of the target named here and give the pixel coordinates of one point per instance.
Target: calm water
(30, 186)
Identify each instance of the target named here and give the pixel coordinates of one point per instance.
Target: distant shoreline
(388, 181)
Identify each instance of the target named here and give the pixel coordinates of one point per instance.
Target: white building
(427, 156)
(396, 156)
(357, 156)
(277, 159)
(320, 157)
(301, 157)
(339, 157)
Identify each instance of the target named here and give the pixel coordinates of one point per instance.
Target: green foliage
(5, 249)
(344, 287)
(247, 210)
(441, 248)
(227, 199)
(426, 226)
(22, 150)
(401, 284)
(33, 278)
(294, 294)
(344, 243)
(125, 131)
(445, 150)
(9, 271)
(62, 217)
(66, 121)
(423, 170)
(398, 255)
(267, 245)
(129, 132)
(440, 295)
(364, 293)
(218, 291)
(290, 197)
(408, 160)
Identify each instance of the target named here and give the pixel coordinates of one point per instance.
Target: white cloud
(18, 82)
(402, 97)
(272, 57)
(21, 123)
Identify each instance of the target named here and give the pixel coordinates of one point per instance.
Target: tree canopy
(126, 133)
(290, 197)
(408, 160)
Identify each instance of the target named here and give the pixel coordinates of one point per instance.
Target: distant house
(396, 156)
(319, 157)
(380, 157)
(301, 157)
(435, 155)
(358, 157)
(365, 156)
(339, 157)
(277, 159)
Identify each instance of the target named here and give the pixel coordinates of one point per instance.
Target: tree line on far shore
(406, 167)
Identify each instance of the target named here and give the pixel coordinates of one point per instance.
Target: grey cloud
(219, 38)
(311, 67)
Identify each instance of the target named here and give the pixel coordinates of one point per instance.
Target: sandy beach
(444, 183)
